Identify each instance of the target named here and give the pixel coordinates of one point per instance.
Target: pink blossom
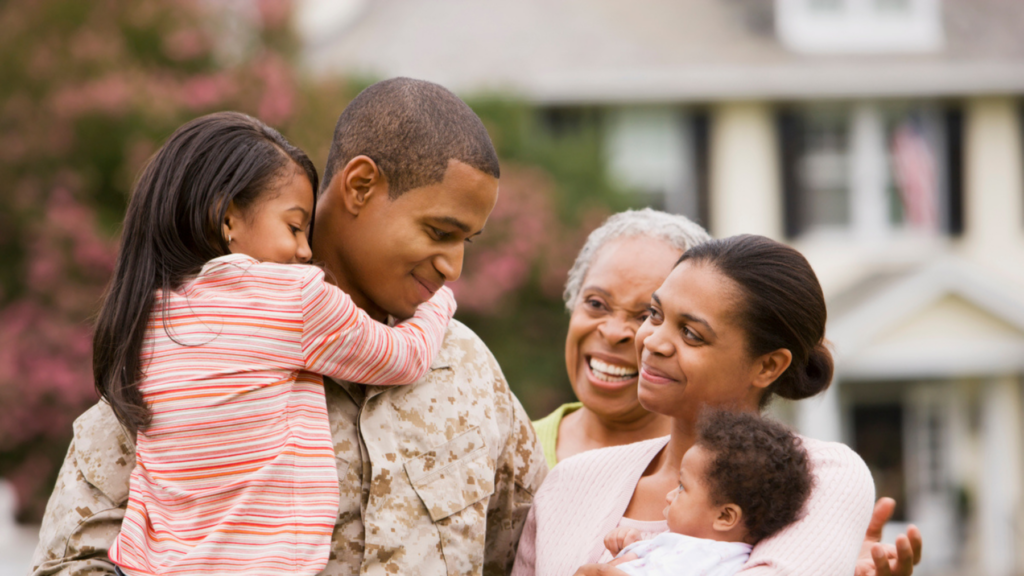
(42, 62)
(563, 251)
(278, 100)
(161, 93)
(495, 277)
(67, 239)
(59, 137)
(91, 45)
(45, 364)
(519, 231)
(44, 269)
(12, 148)
(207, 91)
(185, 44)
(108, 95)
(274, 13)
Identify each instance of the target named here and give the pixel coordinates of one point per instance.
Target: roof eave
(824, 81)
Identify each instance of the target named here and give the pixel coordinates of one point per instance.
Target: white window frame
(859, 27)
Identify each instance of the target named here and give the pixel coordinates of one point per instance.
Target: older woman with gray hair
(608, 295)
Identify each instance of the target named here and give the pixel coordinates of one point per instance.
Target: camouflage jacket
(435, 477)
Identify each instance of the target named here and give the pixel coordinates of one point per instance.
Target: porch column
(999, 488)
(746, 195)
(994, 184)
(868, 173)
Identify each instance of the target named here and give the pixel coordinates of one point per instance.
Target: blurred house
(883, 138)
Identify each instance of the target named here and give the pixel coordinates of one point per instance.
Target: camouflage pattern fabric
(435, 477)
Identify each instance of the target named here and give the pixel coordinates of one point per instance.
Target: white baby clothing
(648, 529)
(672, 554)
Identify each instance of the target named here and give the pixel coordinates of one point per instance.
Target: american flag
(914, 167)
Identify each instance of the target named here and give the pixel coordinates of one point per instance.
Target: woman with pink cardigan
(608, 294)
(736, 322)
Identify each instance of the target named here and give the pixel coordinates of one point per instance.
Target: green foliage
(89, 90)
(571, 154)
(525, 327)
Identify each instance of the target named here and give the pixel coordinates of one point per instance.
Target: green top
(547, 430)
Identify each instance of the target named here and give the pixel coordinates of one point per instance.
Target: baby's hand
(619, 538)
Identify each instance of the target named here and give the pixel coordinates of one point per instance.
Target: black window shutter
(790, 147)
(955, 169)
(702, 163)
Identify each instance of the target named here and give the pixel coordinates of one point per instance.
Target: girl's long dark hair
(173, 227)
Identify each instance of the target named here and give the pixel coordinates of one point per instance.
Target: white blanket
(671, 554)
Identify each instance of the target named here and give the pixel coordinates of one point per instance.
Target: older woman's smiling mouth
(608, 372)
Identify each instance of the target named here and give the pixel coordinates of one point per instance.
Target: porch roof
(607, 51)
(948, 319)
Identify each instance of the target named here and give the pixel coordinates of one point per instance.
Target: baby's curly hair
(757, 464)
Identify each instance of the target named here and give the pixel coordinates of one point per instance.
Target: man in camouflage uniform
(435, 477)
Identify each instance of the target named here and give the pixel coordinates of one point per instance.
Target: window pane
(823, 170)
(651, 150)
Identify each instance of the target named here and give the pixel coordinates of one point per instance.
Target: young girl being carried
(210, 344)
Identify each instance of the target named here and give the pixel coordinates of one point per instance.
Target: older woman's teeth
(610, 372)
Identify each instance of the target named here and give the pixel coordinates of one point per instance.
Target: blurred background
(883, 138)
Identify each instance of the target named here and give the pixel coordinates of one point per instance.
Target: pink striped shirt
(236, 473)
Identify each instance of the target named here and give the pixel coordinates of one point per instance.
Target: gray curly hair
(678, 231)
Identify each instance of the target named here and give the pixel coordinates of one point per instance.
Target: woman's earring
(229, 238)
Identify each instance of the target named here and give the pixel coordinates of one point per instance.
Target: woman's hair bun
(815, 377)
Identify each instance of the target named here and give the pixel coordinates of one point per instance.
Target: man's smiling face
(391, 255)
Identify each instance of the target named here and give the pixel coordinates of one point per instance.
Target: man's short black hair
(411, 129)
(757, 464)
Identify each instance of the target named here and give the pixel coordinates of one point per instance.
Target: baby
(743, 480)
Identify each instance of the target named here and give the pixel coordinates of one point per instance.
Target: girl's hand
(619, 538)
(878, 559)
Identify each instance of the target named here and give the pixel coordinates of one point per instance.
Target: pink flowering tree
(88, 90)
(504, 259)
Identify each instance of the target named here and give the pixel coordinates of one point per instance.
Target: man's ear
(770, 366)
(358, 182)
(729, 517)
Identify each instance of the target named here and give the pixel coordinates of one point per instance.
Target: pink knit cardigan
(585, 496)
